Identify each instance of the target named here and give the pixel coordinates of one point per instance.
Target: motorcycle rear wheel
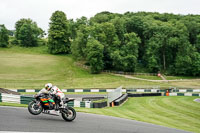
(69, 114)
(34, 108)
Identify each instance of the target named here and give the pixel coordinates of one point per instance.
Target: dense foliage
(27, 33)
(58, 34)
(95, 55)
(157, 42)
(3, 36)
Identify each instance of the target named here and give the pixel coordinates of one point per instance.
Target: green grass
(175, 112)
(180, 77)
(27, 50)
(31, 68)
(13, 104)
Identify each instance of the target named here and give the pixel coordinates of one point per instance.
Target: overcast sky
(41, 10)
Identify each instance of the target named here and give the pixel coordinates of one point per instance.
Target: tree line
(124, 42)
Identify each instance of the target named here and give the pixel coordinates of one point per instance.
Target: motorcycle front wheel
(35, 108)
(69, 114)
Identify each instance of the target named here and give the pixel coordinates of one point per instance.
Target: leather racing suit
(57, 92)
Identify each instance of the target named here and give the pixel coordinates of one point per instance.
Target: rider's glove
(35, 95)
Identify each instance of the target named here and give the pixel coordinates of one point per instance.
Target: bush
(3, 36)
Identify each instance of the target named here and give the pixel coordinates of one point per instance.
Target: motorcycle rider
(50, 89)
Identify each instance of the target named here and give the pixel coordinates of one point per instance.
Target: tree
(120, 28)
(76, 26)
(197, 45)
(58, 34)
(3, 36)
(95, 55)
(186, 59)
(78, 47)
(195, 71)
(102, 17)
(136, 24)
(125, 58)
(131, 50)
(72, 29)
(82, 21)
(163, 40)
(19, 24)
(28, 33)
(193, 26)
(105, 33)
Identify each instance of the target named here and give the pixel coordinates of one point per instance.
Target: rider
(49, 88)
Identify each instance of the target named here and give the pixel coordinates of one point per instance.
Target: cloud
(41, 10)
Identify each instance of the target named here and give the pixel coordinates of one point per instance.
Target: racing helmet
(48, 86)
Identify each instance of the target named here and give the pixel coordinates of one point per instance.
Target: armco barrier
(184, 94)
(109, 90)
(25, 99)
(186, 90)
(86, 104)
(0, 98)
(100, 105)
(68, 90)
(143, 94)
(92, 98)
(120, 100)
(143, 90)
(9, 98)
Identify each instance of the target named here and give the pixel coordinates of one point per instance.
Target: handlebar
(44, 94)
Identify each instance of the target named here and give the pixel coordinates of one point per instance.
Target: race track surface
(19, 119)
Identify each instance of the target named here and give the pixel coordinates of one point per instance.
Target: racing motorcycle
(46, 103)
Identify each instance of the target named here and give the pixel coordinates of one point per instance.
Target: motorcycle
(46, 103)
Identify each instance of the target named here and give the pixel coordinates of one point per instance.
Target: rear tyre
(69, 114)
(35, 108)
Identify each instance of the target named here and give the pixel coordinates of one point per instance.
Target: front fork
(65, 110)
(38, 103)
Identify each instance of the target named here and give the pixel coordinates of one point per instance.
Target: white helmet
(48, 86)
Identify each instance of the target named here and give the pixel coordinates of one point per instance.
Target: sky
(40, 11)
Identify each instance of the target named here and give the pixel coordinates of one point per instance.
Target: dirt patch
(2, 90)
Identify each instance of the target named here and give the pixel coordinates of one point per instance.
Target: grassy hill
(31, 68)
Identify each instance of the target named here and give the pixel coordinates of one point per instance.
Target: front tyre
(69, 114)
(35, 108)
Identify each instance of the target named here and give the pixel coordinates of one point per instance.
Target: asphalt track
(19, 120)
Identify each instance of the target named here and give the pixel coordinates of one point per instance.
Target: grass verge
(13, 104)
(175, 112)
